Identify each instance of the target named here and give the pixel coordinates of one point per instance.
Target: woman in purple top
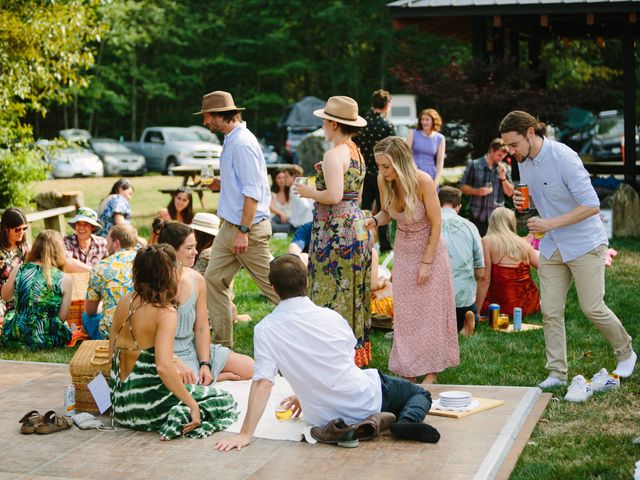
(427, 144)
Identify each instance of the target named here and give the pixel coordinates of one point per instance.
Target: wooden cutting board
(484, 404)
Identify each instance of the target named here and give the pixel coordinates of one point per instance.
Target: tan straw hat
(342, 110)
(217, 101)
(206, 222)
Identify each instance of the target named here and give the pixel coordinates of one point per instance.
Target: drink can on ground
(69, 401)
(494, 312)
(517, 319)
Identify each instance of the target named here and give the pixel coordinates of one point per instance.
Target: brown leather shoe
(374, 425)
(336, 432)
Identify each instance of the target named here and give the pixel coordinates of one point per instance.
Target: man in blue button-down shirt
(243, 238)
(574, 242)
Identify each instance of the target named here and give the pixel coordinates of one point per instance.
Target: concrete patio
(485, 445)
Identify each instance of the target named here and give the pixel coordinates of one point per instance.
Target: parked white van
(404, 113)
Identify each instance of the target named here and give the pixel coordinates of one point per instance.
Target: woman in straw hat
(340, 252)
(425, 337)
(83, 244)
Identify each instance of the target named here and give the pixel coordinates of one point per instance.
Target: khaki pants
(555, 279)
(222, 268)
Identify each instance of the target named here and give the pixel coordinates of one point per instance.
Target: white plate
(384, 272)
(455, 395)
(436, 406)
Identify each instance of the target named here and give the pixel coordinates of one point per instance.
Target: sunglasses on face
(20, 229)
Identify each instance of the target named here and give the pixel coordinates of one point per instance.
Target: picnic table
(54, 219)
(191, 178)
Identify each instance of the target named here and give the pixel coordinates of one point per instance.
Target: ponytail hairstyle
(519, 122)
(173, 233)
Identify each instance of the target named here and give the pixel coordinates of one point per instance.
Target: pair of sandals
(51, 422)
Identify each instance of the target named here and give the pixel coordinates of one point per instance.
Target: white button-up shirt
(558, 183)
(313, 347)
(243, 173)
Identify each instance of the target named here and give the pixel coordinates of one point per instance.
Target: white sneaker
(625, 368)
(604, 380)
(579, 390)
(551, 382)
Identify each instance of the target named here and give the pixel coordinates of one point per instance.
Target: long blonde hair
(502, 226)
(48, 251)
(399, 154)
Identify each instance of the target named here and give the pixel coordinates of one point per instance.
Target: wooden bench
(54, 219)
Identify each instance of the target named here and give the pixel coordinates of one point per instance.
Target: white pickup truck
(166, 147)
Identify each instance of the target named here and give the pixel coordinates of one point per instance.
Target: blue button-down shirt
(243, 173)
(558, 183)
(465, 252)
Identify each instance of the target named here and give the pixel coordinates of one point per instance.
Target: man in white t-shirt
(313, 348)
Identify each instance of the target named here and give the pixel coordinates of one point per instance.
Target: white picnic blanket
(269, 426)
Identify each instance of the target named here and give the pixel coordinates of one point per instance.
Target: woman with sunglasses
(180, 207)
(13, 248)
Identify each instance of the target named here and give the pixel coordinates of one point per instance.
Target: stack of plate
(455, 399)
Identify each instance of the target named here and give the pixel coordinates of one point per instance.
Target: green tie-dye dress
(143, 402)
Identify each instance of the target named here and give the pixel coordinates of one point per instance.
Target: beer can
(517, 319)
(69, 401)
(524, 189)
(494, 312)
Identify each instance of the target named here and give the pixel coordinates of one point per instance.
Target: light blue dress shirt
(465, 252)
(558, 183)
(243, 173)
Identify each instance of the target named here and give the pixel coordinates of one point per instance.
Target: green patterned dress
(142, 402)
(340, 257)
(34, 322)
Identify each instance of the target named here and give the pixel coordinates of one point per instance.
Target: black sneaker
(336, 432)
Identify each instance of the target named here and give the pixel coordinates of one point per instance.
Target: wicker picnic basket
(91, 359)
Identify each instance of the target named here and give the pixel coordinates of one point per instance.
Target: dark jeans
(371, 194)
(407, 401)
(462, 311)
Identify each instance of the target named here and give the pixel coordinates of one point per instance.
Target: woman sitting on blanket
(198, 360)
(147, 392)
(508, 259)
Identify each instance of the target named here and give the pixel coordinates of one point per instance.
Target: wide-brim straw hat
(206, 222)
(217, 101)
(341, 109)
(84, 214)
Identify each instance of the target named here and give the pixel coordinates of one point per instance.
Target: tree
(45, 49)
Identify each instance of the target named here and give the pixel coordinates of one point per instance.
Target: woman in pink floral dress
(425, 339)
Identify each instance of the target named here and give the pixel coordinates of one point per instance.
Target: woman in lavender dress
(427, 144)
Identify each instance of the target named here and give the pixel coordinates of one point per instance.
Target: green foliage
(45, 49)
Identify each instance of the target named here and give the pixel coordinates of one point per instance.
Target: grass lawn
(591, 440)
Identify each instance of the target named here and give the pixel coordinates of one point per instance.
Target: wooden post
(629, 75)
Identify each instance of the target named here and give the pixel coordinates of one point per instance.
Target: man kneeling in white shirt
(313, 348)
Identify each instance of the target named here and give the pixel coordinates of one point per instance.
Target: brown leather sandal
(29, 422)
(52, 422)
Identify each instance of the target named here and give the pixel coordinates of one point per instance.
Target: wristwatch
(208, 364)
(244, 229)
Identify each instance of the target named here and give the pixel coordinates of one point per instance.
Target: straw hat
(342, 110)
(206, 222)
(84, 214)
(217, 101)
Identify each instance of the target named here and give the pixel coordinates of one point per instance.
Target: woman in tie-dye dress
(147, 392)
(425, 338)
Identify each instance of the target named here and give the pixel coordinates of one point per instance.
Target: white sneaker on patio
(625, 368)
(579, 390)
(551, 382)
(604, 380)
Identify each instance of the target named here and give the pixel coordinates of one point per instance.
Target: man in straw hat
(243, 206)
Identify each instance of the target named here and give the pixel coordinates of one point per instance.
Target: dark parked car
(117, 158)
(607, 141)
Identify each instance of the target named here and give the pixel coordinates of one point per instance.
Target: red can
(525, 194)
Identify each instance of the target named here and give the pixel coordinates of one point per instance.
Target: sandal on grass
(52, 422)
(29, 421)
